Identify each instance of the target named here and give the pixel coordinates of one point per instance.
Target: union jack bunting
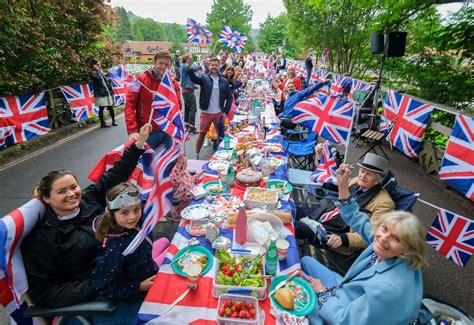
(327, 116)
(453, 236)
(336, 85)
(197, 33)
(142, 175)
(358, 85)
(166, 112)
(324, 173)
(81, 101)
(329, 215)
(160, 200)
(233, 39)
(410, 118)
(14, 227)
(22, 118)
(457, 167)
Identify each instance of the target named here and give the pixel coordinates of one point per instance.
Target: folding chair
(15, 226)
(301, 154)
(375, 139)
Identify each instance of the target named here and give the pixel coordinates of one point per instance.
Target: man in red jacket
(140, 97)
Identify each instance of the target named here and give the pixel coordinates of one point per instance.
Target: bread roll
(284, 296)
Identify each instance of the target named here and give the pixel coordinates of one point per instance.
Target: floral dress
(182, 182)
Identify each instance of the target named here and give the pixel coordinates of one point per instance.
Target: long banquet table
(199, 306)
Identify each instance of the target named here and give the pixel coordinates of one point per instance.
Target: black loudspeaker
(396, 42)
(376, 43)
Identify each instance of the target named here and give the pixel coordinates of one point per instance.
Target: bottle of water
(227, 141)
(271, 259)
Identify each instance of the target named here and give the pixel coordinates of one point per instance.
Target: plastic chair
(15, 226)
(301, 153)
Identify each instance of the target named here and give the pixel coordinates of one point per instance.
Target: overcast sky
(177, 11)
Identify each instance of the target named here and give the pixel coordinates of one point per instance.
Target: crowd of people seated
(75, 253)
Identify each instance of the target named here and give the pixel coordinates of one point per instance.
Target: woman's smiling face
(65, 195)
(387, 244)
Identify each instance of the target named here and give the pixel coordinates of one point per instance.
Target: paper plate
(218, 165)
(222, 154)
(213, 183)
(196, 211)
(275, 182)
(303, 293)
(193, 250)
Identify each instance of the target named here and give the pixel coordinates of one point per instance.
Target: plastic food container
(259, 316)
(259, 293)
(270, 201)
(198, 227)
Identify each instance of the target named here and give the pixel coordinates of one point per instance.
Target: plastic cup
(282, 246)
(193, 272)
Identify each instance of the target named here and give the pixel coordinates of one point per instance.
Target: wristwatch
(340, 202)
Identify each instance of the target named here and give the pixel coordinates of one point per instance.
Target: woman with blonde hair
(384, 285)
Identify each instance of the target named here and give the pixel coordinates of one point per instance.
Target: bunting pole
(349, 140)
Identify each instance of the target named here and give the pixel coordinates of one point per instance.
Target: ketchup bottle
(241, 225)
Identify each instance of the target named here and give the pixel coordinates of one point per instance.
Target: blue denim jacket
(185, 81)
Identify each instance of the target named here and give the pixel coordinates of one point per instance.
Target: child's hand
(145, 285)
(143, 135)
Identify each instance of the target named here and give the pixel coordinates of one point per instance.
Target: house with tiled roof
(143, 51)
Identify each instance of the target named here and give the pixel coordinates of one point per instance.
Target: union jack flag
(336, 85)
(22, 118)
(324, 173)
(142, 175)
(233, 39)
(327, 116)
(329, 215)
(358, 85)
(409, 122)
(120, 79)
(160, 200)
(120, 92)
(453, 236)
(315, 74)
(166, 112)
(81, 100)
(197, 33)
(14, 227)
(457, 167)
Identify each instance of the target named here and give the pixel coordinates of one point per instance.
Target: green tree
(175, 32)
(122, 29)
(175, 47)
(49, 43)
(233, 13)
(146, 29)
(274, 33)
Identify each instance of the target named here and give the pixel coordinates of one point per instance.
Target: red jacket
(139, 99)
(296, 81)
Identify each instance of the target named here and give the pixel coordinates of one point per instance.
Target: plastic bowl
(276, 223)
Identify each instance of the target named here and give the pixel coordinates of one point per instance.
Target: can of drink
(193, 273)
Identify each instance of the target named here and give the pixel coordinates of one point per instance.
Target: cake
(248, 178)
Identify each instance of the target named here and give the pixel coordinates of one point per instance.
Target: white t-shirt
(215, 97)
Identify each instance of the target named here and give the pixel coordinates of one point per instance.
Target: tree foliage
(122, 29)
(233, 13)
(274, 33)
(49, 43)
(146, 29)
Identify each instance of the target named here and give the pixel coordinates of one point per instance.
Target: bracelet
(340, 202)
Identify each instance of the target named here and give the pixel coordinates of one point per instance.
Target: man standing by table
(215, 99)
(140, 96)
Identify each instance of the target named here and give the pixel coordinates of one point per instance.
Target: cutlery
(282, 284)
(183, 295)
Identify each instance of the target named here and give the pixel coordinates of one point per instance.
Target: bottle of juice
(271, 259)
(241, 226)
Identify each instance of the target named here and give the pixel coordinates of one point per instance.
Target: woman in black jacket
(59, 254)
(103, 92)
